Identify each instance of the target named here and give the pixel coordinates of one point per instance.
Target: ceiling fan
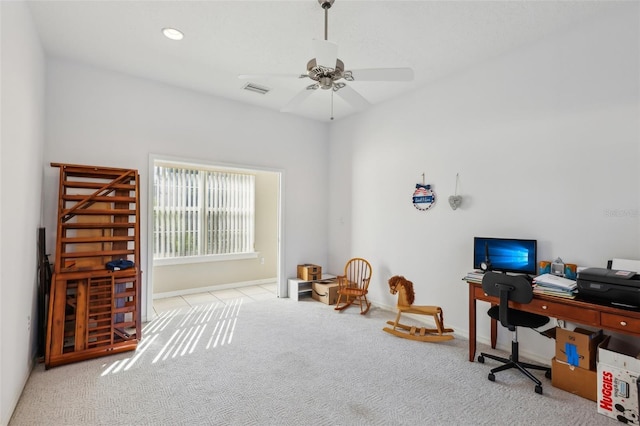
(327, 71)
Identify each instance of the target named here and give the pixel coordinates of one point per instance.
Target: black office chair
(515, 288)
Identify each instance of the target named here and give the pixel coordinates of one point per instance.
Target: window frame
(201, 258)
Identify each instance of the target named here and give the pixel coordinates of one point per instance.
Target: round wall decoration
(423, 197)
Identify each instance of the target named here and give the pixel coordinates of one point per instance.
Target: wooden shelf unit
(94, 311)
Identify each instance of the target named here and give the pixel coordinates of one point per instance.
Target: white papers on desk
(474, 276)
(554, 285)
(550, 280)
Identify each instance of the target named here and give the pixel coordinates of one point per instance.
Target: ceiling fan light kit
(326, 70)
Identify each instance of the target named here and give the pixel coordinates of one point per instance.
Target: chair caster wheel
(547, 374)
(481, 359)
(492, 377)
(539, 389)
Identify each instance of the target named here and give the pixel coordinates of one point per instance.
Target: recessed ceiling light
(172, 33)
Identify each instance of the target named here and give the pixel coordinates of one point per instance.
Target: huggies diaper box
(618, 375)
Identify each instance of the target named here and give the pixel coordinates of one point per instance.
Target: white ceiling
(224, 39)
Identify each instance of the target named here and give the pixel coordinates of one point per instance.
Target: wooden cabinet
(94, 311)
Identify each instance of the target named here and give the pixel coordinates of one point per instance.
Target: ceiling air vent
(252, 87)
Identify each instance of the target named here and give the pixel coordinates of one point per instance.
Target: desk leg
(472, 324)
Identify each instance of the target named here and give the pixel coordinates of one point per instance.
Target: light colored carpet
(281, 362)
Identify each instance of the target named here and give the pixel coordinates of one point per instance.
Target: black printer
(620, 288)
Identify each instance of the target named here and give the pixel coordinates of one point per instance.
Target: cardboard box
(578, 347)
(578, 381)
(325, 291)
(618, 373)
(309, 272)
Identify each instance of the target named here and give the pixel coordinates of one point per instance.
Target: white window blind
(200, 212)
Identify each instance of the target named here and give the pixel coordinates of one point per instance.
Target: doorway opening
(219, 230)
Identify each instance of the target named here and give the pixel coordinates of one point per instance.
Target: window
(202, 212)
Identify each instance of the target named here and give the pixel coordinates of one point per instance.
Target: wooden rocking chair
(353, 286)
(406, 296)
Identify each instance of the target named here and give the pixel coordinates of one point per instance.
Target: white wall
(545, 140)
(21, 146)
(97, 117)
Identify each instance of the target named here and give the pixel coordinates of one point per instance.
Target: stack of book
(474, 276)
(553, 285)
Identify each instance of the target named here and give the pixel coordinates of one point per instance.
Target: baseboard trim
(183, 292)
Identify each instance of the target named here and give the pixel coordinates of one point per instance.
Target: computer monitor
(505, 255)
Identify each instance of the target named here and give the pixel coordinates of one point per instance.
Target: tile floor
(249, 294)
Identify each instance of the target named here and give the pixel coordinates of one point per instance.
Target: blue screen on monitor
(506, 254)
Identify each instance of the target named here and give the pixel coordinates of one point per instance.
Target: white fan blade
(265, 76)
(298, 99)
(352, 97)
(326, 53)
(383, 74)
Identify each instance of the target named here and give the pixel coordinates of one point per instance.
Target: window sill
(204, 259)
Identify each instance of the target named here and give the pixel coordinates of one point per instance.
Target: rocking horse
(406, 296)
